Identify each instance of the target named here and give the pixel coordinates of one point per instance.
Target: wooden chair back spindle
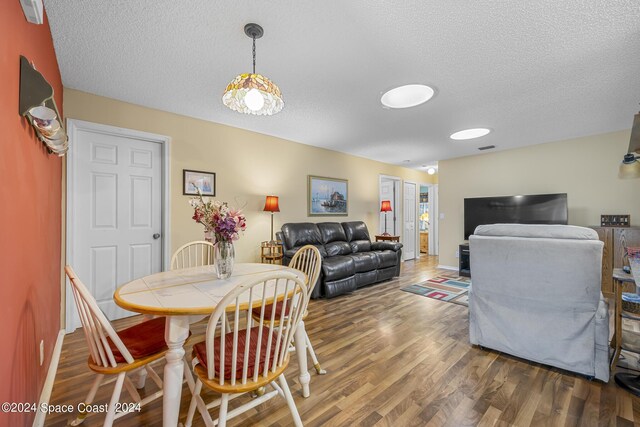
(95, 325)
(280, 286)
(193, 254)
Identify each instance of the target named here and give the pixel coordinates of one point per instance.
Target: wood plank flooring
(393, 359)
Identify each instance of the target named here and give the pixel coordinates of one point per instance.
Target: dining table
(186, 296)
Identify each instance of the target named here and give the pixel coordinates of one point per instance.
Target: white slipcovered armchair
(535, 294)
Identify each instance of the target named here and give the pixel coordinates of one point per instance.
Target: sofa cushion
(296, 235)
(365, 261)
(386, 258)
(356, 230)
(337, 248)
(289, 253)
(331, 232)
(539, 231)
(338, 267)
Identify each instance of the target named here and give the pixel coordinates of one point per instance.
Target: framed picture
(192, 180)
(327, 196)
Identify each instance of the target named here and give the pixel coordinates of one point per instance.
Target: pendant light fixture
(253, 93)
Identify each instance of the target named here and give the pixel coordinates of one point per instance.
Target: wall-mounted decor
(615, 220)
(39, 107)
(327, 196)
(194, 180)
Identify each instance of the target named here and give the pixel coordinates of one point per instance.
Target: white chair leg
(316, 364)
(192, 405)
(140, 378)
(224, 404)
(115, 398)
(290, 402)
(88, 400)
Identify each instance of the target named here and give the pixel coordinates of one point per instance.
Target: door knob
(156, 236)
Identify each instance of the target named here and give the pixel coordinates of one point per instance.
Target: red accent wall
(30, 220)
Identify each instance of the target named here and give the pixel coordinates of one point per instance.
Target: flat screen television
(531, 209)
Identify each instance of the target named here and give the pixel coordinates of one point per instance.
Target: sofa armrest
(382, 246)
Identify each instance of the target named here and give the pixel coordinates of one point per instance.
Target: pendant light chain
(254, 54)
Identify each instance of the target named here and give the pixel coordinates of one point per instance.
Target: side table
(271, 252)
(628, 381)
(620, 278)
(383, 238)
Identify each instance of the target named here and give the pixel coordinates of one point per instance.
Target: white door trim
(416, 228)
(73, 126)
(433, 219)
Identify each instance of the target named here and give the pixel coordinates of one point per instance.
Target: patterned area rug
(445, 287)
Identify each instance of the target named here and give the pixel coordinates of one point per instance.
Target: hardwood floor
(393, 359)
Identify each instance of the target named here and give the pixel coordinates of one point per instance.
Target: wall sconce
(630, 167)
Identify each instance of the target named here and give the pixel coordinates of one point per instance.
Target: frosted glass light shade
(470, 134)
(407, 96)
(244, 92)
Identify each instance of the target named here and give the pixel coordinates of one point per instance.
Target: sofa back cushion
(357, 236)
(331, 232)
(299, 234)
(334, 238)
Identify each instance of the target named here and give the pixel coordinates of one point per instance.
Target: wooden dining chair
(308, 260)
(253, 354)
(116, 354)
(193, 254)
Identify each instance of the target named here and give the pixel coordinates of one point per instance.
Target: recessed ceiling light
(407, 96)
(431, 171)
(470, 133)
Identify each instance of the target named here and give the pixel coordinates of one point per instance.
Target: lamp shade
(386, 206)
(271, 204)
(630, 167)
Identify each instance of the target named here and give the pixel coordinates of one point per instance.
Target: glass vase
(224, 259)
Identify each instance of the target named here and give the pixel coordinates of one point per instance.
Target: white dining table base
(176, 333)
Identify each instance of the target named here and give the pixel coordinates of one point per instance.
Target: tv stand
(464, 266)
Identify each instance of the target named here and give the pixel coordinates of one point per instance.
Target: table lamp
(385, 207)
(271, 205)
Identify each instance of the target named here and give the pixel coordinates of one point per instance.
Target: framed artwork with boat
(327, 196)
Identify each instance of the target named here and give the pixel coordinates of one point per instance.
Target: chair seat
(200, 351)
(142, 340)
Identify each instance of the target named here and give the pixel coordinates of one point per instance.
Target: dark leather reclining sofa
(350, 259)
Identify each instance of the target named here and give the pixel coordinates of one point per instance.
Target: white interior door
(410, 231)
(115, 213)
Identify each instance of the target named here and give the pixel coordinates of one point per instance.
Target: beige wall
(584, 168)
(248, 166)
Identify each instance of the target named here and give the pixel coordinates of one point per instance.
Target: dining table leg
(176, 333)
(301, 351)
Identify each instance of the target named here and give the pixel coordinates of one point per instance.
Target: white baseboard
(48, 382)
(446, 267)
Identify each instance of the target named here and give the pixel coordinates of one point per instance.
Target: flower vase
(224, 259)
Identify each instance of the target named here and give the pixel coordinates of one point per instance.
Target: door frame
(397, 203)
(416, 227)
(72, 321)
(433, 218)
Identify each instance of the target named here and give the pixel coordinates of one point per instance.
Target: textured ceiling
(533, 71)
